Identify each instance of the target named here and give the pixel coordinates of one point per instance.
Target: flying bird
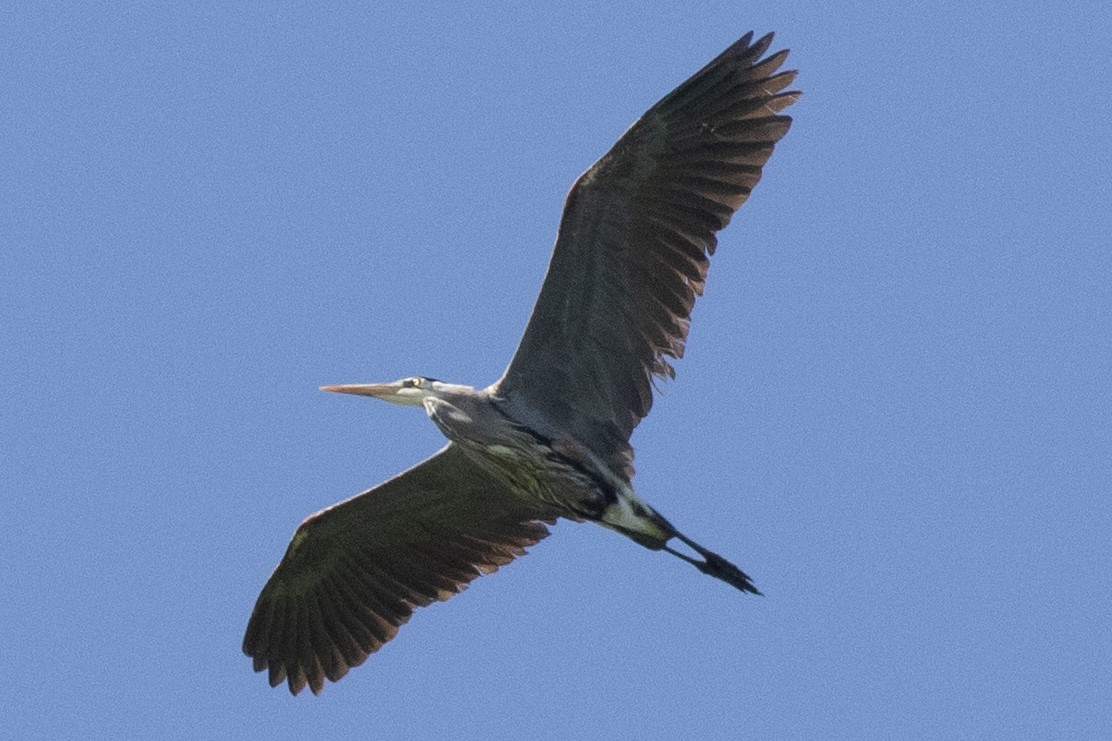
(550, 438)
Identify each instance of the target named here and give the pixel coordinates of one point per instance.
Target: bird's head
(405, 392)
(410, 391)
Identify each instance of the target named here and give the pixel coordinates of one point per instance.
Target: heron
(548, 440)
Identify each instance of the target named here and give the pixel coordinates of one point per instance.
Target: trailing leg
(714, 565)
(638, 521)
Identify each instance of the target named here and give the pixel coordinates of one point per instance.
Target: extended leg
(638, 521)
(714, 565)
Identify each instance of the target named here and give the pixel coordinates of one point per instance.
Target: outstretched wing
(354, 572)
(632, 252)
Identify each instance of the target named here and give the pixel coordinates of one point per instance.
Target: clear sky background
(894, 412)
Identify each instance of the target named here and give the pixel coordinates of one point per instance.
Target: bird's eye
(412, 383)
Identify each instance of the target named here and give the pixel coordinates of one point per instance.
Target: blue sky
(894, 412)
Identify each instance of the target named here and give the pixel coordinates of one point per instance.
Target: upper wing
(632, 252)
(354, 572)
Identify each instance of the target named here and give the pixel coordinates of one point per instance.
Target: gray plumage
(550, 439)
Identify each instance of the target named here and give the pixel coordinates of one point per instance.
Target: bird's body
(524, 461)
(543, 465)
(550, 439)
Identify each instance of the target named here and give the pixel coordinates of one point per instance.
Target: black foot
(720, 568)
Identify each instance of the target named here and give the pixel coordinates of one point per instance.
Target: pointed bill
(377, 390)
